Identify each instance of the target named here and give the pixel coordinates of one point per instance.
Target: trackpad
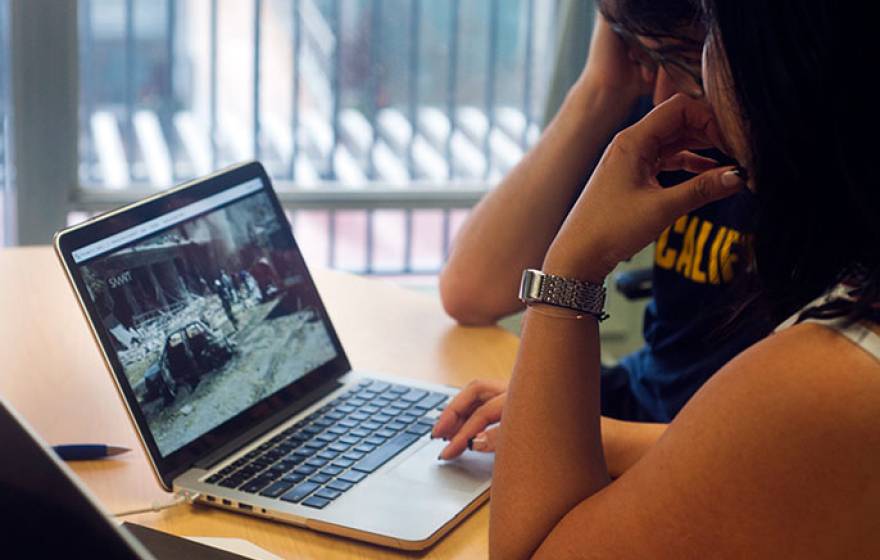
(466, 473)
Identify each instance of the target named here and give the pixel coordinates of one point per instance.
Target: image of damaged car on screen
(209, 317)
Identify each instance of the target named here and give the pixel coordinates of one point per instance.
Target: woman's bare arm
(511, 228)
(776, 456)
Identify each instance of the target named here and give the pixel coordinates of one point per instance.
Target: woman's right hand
(471, 416)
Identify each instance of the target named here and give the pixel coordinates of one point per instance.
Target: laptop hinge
(268, 424)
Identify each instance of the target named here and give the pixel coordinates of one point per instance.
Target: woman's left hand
(624, 208)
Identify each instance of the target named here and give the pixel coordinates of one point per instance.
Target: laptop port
(211, 498)
(245, 507)
(227, 502)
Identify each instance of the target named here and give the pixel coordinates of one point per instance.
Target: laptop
(51, 515)
(236, 381)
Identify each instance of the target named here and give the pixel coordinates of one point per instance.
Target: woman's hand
(468, 415)
(611, 67)
(624, 208)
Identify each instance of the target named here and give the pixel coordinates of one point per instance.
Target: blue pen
(87, 451)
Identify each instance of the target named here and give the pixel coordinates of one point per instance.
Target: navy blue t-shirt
(696, 261)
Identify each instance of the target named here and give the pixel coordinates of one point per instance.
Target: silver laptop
(236, 381)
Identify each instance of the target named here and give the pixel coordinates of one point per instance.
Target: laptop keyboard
(322, 456)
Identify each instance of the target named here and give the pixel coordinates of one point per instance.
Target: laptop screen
(208, 308)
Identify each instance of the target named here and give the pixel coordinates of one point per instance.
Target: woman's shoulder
(776, 455)
(818, 367)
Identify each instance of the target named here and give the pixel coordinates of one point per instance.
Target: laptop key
(320, 478)
(433, 400)
(339, 485)
(419, 428)
(332, 470)
(419, 410)
(414, 395)
(343, 463)
(255, 485)
(385, 452)
(397, 425)
(328, 455)
(300, 491)
(231, 482)
(277, 488)
(327, 437)
(315, 502)
(328, 493)
(294, 477)
(388, 431)
(379, 386)
(352, 476)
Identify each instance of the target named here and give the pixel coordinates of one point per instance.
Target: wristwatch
(585, 297)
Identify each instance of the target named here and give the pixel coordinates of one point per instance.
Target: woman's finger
(460, 408)
(486, 441)
(688, 161)
(704, 188)
(486, 415)
(679, 122)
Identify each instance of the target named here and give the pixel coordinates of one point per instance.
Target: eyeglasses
(687, 78)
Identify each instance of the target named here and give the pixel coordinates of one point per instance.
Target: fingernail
(481, 442)
(731, 179)
(471, 444)
(742, 172)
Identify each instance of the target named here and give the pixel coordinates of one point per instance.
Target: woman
(778, 454)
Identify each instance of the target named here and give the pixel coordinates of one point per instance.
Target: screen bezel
(70, 239)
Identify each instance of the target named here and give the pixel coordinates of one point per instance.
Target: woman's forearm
(549, 456)
(512, 227)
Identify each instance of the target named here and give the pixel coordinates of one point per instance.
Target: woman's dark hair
(653, 18)
(806, 118)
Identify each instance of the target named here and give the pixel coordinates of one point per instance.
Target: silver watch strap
(586, 297)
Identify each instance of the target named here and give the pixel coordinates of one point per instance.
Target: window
(381, 122)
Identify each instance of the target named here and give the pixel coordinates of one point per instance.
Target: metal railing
(369, 114)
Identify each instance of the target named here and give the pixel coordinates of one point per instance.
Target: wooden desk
(52, 373)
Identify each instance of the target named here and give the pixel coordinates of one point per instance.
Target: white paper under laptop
(235, 378)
